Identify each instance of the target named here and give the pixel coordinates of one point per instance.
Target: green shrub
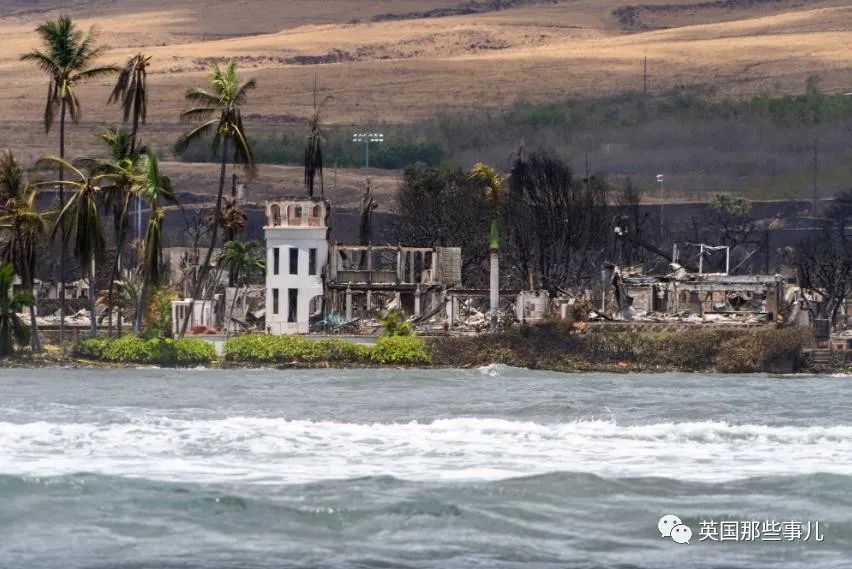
(346, 352)
(91, 348)
(156, 351)
(408, 350)
(274, 349)
(396, 324)
(258, 349)
(130, 349)
(189, 351)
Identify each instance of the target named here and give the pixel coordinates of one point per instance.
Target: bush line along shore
(551, 346)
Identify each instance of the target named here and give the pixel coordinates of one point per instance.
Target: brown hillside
(400, 60)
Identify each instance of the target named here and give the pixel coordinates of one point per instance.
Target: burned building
(366, 278)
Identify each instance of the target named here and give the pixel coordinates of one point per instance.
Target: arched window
(275, 214)
(294, 215)
(316, 211)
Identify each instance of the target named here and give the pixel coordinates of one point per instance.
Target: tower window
(275, 301)
(312, 261)
(294, 261)
(292, 304)
(276, 260)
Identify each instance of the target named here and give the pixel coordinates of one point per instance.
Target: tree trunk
(231, 314)
(35, 341)
(62, 228)
(205, 267)
(119, 245)
(494, 296)
(140, 307)
(93, 326)
(230, 234)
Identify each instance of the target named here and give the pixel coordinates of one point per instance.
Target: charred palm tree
(220, 109)
(365, 222)
(131, 92)
(232, 221)
(313, 149)
(67, 58)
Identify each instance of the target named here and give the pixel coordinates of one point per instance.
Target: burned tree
(445, 208)
(559, 227)
(631, 224)
(824, 263)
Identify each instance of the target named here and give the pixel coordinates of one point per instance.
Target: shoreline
(71, 362)
(552, 346)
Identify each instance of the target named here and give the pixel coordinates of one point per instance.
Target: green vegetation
(156, 351)
(761, 147)
(12, 329)
(23, 226)
(555, 346)
(395, 323)
(339, 151)
(401, 350)
(285, 350)
(218, 107)
(67, 57)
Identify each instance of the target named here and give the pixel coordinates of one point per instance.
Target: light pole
(660, 180)
(366, 138)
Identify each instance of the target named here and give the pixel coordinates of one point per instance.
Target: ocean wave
(277, 450)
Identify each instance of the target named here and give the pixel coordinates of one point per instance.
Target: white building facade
(296, 234)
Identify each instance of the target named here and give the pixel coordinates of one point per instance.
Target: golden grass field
(406, 69)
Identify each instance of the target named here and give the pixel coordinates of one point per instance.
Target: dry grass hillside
(402, 60)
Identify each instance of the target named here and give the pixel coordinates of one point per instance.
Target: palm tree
(80, 222)
(123, 167)
(493, 183)
(219, 107)
(313, 148)
(12, 329)
(131, 90)
(242, 259)
(125, 297)
(153, 187)
(67, 56)
(19, 216)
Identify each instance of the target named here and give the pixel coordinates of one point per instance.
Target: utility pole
(660, 180)
(366, 138)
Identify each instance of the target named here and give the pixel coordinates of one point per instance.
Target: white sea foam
(493, 370)
(263, 450)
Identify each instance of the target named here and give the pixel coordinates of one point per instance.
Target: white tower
(296, 255)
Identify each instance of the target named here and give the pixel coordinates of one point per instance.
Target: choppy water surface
(495, 467)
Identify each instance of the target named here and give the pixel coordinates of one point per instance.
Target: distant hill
(392, 62)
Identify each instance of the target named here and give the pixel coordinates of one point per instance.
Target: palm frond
(197, 133)
(95, 73)
(49, 162)
(198, 114)
(202, 96)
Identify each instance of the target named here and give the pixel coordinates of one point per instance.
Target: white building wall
(303, 238)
